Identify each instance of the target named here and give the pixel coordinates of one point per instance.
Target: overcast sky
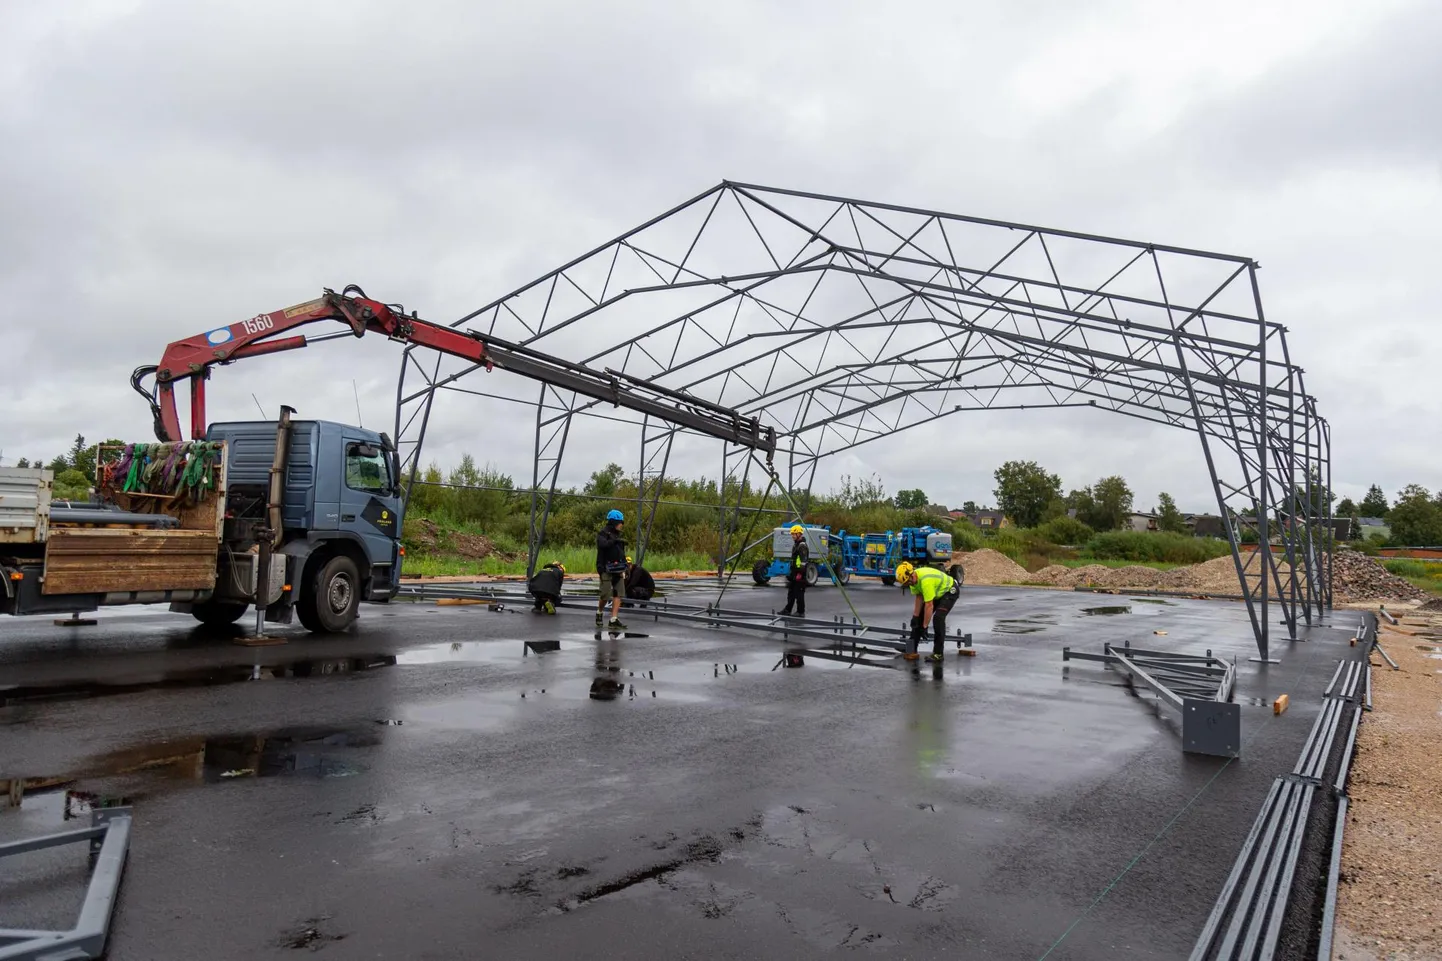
(172, 167)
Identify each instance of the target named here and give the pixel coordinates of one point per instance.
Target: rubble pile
(1357, 577)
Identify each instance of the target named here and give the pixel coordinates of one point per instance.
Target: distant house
(1140, 521)
(1206, 525)
(958, 515)
(1344, 530)
(938, 510)
(1371, 526)
(989, 520)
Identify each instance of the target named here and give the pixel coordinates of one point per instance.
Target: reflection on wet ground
(1152, 600)
(193, 677)
(1110, 609)
(1024, 625)
(119, 777)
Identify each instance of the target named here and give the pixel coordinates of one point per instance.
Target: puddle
(1024, 625)
(1151, 600)
(123, 776)
(473, 652)
(194, 677)
(1112, 609)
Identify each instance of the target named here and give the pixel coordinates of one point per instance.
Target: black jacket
(546, 581)
(639, 583)
(800, 556)
(610, 551)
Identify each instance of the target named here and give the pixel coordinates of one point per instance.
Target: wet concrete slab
(426, 786)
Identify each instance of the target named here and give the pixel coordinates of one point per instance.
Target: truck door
(369, 501)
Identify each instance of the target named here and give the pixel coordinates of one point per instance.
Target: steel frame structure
(839, 321)
(1198, 687)
(109, 840)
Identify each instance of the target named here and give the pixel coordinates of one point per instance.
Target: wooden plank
(92, 561)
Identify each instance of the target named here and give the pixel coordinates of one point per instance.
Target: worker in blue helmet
(611, 566)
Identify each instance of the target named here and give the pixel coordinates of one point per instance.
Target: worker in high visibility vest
(936, 592)
(796, 572)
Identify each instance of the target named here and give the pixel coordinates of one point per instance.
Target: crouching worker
(545, 587)
(640, 585)
(936, 592)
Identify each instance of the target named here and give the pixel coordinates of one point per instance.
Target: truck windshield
(365, 469)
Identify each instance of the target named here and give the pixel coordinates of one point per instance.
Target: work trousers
(795, 595)
(939, 609)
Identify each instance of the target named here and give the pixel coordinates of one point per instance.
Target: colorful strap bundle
(184, 470)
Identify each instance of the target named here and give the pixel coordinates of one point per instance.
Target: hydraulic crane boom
(193, 357)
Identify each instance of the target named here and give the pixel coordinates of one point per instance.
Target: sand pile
(987, 566)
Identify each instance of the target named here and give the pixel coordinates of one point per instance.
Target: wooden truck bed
(106, 558)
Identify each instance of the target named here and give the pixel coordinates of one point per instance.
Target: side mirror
(386, 442)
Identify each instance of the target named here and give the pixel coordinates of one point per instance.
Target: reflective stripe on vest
(926, 574)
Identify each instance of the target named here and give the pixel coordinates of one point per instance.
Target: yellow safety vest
(932, 583)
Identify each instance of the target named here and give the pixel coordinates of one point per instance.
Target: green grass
(1423, 574)
(577, 560)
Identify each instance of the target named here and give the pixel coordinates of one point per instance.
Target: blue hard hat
(615, 516)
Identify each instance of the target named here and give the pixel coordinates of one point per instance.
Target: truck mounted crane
(300, 518)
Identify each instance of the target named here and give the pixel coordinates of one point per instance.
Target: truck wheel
(812, 574)
(760, 573)
(218, 613)
(333, 598)
(958, 573)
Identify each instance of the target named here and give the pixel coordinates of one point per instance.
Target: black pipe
(99, 515)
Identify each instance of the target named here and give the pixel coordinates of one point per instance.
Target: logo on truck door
(379, 516)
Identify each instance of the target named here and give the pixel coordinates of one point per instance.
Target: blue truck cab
(340, 517)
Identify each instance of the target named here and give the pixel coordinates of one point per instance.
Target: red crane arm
(193, 357)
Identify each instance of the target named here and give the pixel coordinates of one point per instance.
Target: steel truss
(840, 321)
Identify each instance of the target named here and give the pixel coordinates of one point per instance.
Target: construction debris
(1357, 577)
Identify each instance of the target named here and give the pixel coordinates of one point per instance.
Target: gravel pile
(1357, 577)
(987, 566)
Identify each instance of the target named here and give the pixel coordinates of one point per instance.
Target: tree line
(1415, 518)
(486, 498)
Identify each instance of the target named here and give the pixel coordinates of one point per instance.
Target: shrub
(965, 536)
(1009, 541)
(1154, 546)
(1065, 530)
(1410, 567)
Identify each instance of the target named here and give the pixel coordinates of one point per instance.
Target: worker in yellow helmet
(936, 592)
(545, 587)
(796, 572)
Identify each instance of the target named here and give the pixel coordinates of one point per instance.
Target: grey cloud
(174, 167)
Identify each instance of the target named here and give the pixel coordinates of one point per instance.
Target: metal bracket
(109, 840)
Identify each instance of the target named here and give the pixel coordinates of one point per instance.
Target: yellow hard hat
(559, 566)
(628, 558)
(797, 529)
(904, 572)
